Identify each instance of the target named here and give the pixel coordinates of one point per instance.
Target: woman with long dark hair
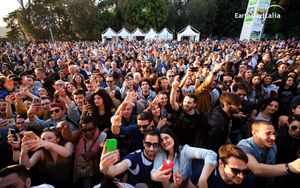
(102, 109)
(182, 156)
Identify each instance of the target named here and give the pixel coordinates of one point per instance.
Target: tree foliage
(144, 13)
(86, 19)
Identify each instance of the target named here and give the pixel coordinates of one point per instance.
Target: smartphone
(111, 144)
(167, 165)
(11, 122)
(37, 101)
(29, 135)
(13, 133)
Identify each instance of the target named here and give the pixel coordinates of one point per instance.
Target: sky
(6, 7)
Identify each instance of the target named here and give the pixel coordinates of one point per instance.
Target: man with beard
(187, 120)
(261, 151)
(218, 123)
(138, 164)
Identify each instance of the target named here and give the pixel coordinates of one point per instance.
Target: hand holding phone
(13, 134)
(168, 164)
(110, 145)
(29, 135)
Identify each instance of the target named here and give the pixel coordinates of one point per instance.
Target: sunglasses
(109, 81)
(294, 127)
(171, 75)
(227, 81)
(87, 130)
(149, 144)
(56, 111)
(237, 171)
(143, 126)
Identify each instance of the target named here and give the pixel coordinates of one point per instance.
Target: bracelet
(288, 168)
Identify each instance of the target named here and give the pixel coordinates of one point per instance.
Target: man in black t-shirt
(187, 119)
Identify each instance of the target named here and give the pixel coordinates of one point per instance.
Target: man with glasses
(226, 80)
(232, 170)
(288, 149)
(144, 123)
(261, 151)
(111, 85)
(58, 114)
(88, 149)
(137, 165)
(170, 76)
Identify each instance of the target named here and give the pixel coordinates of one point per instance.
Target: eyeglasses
(237, 171)
(56, 111)
(294, 127)
(109, 81)
(227, 81)
(143, 126)
(149, 144)
(87, 130)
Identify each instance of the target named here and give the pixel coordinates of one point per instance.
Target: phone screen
(111, 145)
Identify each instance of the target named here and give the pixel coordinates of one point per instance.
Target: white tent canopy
(124, 33)
(151, 34)
(108, 33)
(138, 33)
(189, 31)
(165, 34)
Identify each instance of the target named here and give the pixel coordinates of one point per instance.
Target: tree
(15, 31)
(144, 13)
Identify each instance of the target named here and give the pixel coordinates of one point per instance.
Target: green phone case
(111, 145)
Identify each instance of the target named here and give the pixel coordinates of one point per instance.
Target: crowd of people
(214, 113)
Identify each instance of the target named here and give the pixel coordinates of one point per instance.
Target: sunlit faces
(166, 141)
(50, 137)
(290, 81)
(56, 113)
(42, 92)
(127, 111)
(233, 170)
(241, 93)
(14, 181)
(144, 125)
(78, 79)
(188, 103)
(248, 73)
(265, 135)
(267, 80)
(88, 130)
(145, 86)
(272, 107)
(79, 99)
(227, 81)
(98, 100)
(155, 110)
(129, 81)
(70, 87)
(294, 129)
(256, 80)
(163, 99)
(296, 110)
